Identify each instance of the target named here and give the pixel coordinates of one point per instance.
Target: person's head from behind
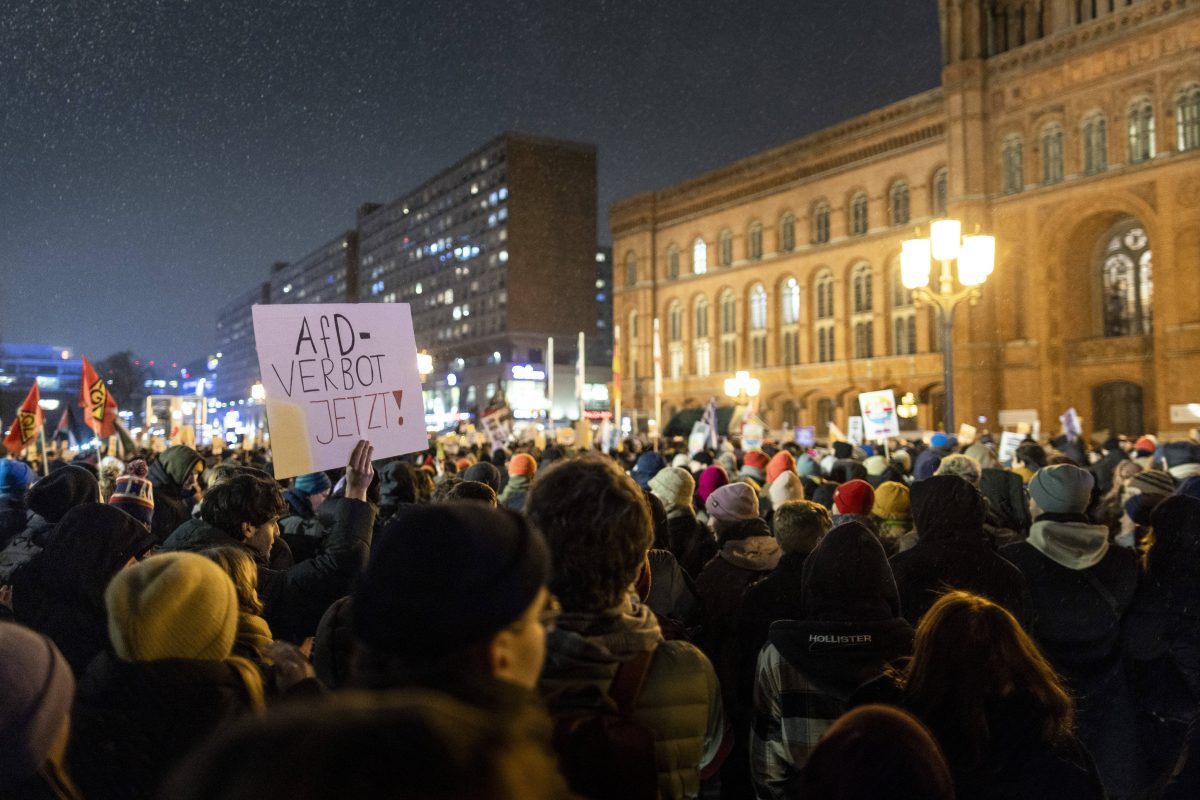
(597, 524)
(453, 593)
(875, 752)
(240, 567)
(36, 711)
(413, 744)
(970, 654)
(248, 509)
(471, 491)
(963, 466)
(1031, 455)
(799, 526)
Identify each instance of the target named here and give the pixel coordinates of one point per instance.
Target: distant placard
(806, 436)
(698, 438)
(967, 434)
(1012, 417)
(856, 430)
(752, 435)
(879, 418)
(1009, 442)
(335, 374)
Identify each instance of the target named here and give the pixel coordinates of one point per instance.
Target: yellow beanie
(891, 501)
(172, 605)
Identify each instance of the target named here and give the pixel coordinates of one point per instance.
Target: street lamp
(742, 387)
(258, 392)
(976, 257)
(907, 407)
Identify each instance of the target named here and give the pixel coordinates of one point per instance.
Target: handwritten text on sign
(335, 374)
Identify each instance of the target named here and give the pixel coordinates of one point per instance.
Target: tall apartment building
(495, 254)
(1070, 131)
(237, 360)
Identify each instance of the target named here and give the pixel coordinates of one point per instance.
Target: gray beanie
(1062, 489)
(38, 692)
(674, 486)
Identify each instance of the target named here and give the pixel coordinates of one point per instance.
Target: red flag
(28, 422)
(100, 409)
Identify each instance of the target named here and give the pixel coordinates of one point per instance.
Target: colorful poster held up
(335, 374)
(879, 415)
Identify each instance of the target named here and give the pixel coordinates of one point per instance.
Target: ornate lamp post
(976, 258)
(742, 387)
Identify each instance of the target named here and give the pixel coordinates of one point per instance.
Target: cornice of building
(825, 151)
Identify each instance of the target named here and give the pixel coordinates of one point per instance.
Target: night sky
(157, 155)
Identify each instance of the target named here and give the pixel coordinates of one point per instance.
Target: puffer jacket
(680, 700)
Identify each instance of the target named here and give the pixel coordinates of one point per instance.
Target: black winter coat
(295, 599)
(134, 721)
(14, 517)
(691, 541)
(775, 597)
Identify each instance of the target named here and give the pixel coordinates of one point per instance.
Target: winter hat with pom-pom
(133, 493)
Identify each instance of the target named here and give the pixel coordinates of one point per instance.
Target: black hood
(847, 578)
(947, 507)
(742, 529)
(841, 656)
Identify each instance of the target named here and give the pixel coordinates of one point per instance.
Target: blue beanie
(312, 483)
(15, 476)
(938, 440)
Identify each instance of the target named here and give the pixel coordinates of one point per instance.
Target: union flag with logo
(99, 407)
(24, 429)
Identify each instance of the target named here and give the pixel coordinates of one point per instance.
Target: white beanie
(786, 487)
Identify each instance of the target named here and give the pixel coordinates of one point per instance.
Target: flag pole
(45, 455)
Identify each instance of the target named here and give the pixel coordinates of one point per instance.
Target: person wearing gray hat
(1081, 589)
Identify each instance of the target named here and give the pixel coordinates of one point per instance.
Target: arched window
(787, 232)
(758, 326)
(860, 222)
(824, 416)
(1052, 153)
(754, 249)
(823, 322)
(728, 331)
(898, 203)
(699, 256)
(1187, 118)
(702, 347)
(675, 339)
(904, 317)
(1095, 143)
(1117, 408)
(1141, 130)
(862, 319)
(820, 232)
(940, 200)
(631, 358)
(1013, 164)
(789, 318)
(630, 269)
(672, 262)
(725, 248)
(1127, 279)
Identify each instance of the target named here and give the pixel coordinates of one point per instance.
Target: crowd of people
(922, 621)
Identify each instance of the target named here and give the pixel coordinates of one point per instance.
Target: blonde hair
(240, 567)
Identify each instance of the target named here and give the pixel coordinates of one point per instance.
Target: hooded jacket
(514, 494)
(690, 540)
(680, 700)
(60, 591)
(850, 629)
(294, 599)
(168, 473)
(952, 551)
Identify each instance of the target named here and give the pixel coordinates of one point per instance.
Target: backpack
(602, 750)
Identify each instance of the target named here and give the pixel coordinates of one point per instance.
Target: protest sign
(334, 374)
(806, 436)
(856, 430)
(497, 426)
(752, 435)
(879, 418)
(1008, 445)
(698, 438)
(967, 434)
(1072, 425)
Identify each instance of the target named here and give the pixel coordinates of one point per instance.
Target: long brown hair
(968, 655)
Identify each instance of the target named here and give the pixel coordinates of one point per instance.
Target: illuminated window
(789, 316)
(1187, 118)
(1141, 130)
(1128, 286)
(699, 256)
(823, 325)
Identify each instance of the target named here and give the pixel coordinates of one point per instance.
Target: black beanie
(947, 507)
(847, 577)
(483, 472)
(61, 490)
(843, 450)
(448, 576)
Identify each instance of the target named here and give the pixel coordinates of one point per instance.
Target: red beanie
(854, 497)
(522, 464)
(755, 458)
(781, 462)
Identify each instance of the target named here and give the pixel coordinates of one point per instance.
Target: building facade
(1070, 131)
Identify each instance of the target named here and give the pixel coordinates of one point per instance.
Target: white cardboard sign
(335, 374)
(878, 415)
(1009, 442)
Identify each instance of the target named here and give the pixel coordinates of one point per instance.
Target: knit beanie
(756, 458)
(483, 472)
(847, 577)
(732, 503)
(891, 501)
(1141, 507)
(780, 463)
(1145, 446)
(785, 488)
(38, 692)
(680, 460)
(312, 483)
(174, 605)
(448, 576)
(648, 465)
(522, 464)
(675, 487)
(728, 461)
(60, 491)
(1062, 489)
(711, 479)
(875, 465)
(938, 440)
(842, 450)
(854, 497)
(1152, 481)
(984, 454)
(15, 476)
(806, 466)
(134, 494)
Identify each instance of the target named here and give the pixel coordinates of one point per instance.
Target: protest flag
(25, 426)
(100, 409)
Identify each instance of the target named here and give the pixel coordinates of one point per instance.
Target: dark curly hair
(597, 523)
(242, 498)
